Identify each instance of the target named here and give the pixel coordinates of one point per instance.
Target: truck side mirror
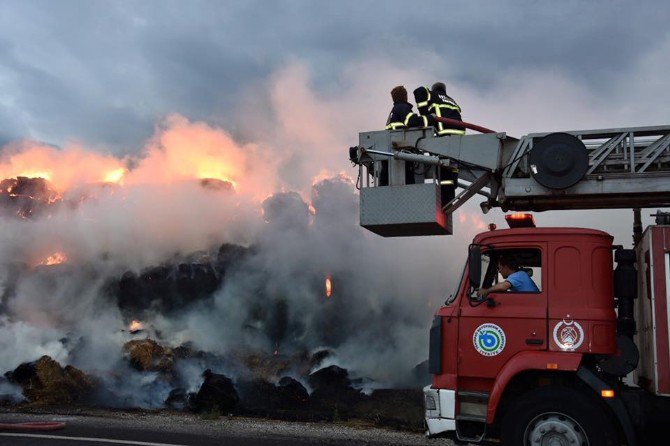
(475, 265)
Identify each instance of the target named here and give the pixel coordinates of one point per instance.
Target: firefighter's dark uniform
(402, 116)
(437, 102)
(440, 104)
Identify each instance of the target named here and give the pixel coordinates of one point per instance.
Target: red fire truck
(584, 359)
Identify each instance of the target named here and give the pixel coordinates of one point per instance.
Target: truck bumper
(440, 407)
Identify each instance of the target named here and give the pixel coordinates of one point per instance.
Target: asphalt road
(162, 429)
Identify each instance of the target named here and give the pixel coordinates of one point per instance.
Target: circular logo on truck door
(489, 339)
(568, 335)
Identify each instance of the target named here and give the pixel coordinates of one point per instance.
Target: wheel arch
(549, 363)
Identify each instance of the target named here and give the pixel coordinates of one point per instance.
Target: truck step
(471, 418)
(470, 428)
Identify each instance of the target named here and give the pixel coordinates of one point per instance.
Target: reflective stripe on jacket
(402, 116)
(441, 105)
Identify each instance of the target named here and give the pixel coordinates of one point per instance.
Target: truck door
(490, 334)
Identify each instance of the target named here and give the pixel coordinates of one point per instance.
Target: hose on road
(32, 426)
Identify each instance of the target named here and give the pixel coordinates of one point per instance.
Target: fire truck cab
(489, 355)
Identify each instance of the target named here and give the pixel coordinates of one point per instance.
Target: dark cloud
(105, 72)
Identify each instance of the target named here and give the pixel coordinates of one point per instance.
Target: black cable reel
(559, 161)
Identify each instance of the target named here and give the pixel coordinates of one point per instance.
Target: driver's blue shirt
(521, 283)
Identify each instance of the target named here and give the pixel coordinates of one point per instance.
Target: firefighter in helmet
(402, 116)
(436, 102)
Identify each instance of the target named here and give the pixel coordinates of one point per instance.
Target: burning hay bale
(179, 399)
(265, 366)
(216, 184)
(25, 197)
(333, 394)
(146, 355)
(330, 378)
(292, 394)
(287, 399)
(46, 382)
(258, 397)
(216, 394)
(175, 284)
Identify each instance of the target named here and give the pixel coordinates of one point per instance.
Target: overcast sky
(105, 73)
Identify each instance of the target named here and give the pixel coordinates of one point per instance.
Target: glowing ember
(115, 176)
(329, 286)
(135, 326)
(54, 259)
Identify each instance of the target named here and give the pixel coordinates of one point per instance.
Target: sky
(307, 76)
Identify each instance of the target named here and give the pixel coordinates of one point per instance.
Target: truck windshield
(457, 286)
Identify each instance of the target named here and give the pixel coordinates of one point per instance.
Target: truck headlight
(430, 403)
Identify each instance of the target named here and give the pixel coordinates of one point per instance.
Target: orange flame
(179, 151)
(54, 259)
(329, 286)
(135, 326)
(62, 168)
(115, 176)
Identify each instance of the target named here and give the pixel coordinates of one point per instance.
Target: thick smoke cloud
(129, 213)
(376, 318)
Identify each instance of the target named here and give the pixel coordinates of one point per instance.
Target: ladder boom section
(625, 167)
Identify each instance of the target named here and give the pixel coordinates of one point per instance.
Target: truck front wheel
(557, 416)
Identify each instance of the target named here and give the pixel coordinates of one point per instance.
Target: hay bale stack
(46, 382)
(146, 355)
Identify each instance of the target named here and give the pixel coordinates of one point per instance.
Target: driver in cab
(516, 280)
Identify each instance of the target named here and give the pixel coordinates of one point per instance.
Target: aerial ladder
(406, 189)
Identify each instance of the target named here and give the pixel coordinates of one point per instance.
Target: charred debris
(279, 388)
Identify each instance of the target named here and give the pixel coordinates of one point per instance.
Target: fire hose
(33, 426)
(462, 124)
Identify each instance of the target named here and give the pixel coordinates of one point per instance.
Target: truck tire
(560, 416)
